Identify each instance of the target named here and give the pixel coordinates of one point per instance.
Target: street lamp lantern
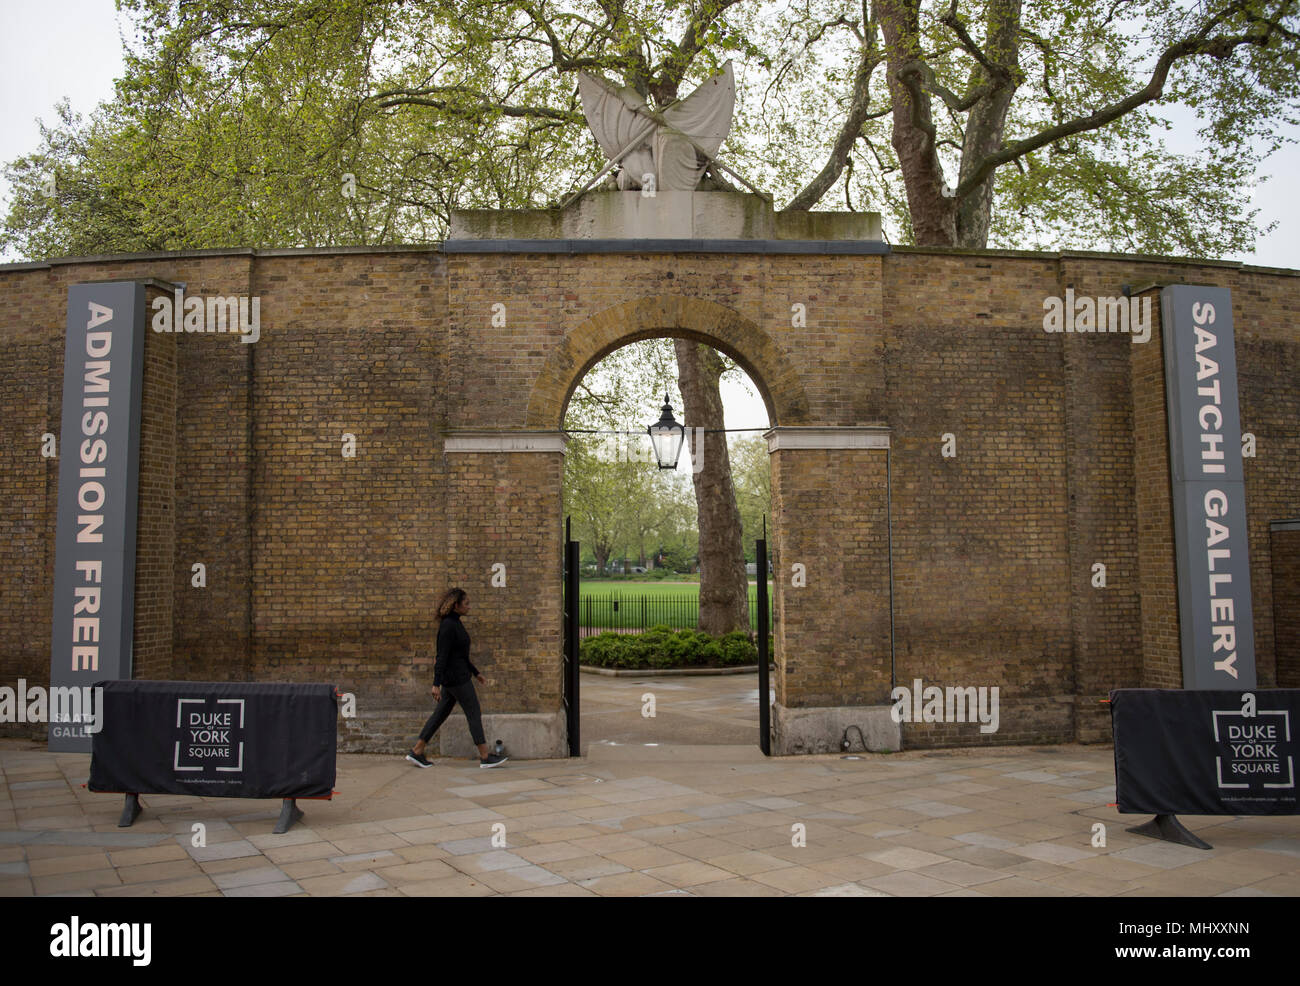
(666, 435)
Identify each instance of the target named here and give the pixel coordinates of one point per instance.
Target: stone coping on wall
(649, 245)
(504, 441)
(440, 248)
(851, 437)
(1285, 525)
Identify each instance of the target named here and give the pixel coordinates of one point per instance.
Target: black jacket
(453, 666)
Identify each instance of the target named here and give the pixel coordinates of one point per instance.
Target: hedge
(663, 647)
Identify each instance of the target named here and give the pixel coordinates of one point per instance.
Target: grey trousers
(451, 694)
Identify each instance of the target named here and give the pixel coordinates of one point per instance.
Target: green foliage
(751, 472)
(662, 647)
(237, 122)
(621, 504)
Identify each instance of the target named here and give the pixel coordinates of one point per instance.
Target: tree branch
(1221, 47)
(952, 21)
(398, 97)
(857, 116)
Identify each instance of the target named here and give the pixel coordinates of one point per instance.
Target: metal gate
(764, 705)
(572, 637)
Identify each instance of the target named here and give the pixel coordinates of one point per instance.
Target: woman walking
(453, 681)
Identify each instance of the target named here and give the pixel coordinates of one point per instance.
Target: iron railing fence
(629, 612)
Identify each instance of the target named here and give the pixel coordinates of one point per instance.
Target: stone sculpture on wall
(668, 149)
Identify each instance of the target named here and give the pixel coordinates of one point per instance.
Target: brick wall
(155, 551)
(325, 567)
(1285, 555)
(1162, 665)
(832, 613)
(495, 517)
(31, 393)
(981, 539)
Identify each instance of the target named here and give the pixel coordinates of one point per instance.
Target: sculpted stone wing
(661, 143)
(704, 115)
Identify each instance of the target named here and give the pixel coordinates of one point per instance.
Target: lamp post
(666, 435)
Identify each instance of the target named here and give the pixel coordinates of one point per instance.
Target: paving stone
(342, 883)
(688, 874)
(586, 868)
(429, 869)
(551, 852)
(249, 877)
(626, 885)
(794, 879)
(555, 890)
(457, 886)
(63, 882)
(1051, 852)
(646, 857)
(223, 850)
(185, 887)
(1287, 847)
(308, 850)
(903, 858)
(463, 847)
(845, 890)
(961, 874)
(1163, 854)
(282, 889)
(309, 867)
(366, 860)
(1248, 892)
(521, 878)
(78, 863)
(156, 872)
(659, 825)
(153, 854)
(988, 840)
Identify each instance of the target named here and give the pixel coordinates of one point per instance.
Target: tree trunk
(987, 122)
(724, 589)
(934, 215)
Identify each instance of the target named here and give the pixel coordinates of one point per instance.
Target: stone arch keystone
(767, 363)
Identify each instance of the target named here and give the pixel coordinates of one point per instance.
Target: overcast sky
(73, 48)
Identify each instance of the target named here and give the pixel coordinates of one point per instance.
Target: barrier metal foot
(289, 813)
(1170, 829)
(130, 811)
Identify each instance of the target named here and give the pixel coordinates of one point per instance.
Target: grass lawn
(673, 603)
(650, 587)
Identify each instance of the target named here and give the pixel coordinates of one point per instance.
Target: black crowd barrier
(1203, 753)
(216, 739)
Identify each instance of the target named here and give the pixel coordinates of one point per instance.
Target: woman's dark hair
(449, 601)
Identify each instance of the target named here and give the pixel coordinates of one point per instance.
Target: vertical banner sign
(1208, 488)
(94, 548)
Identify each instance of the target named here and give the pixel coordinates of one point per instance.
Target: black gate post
(572, 638)
(764, 706)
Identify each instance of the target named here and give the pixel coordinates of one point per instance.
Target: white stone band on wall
(505, 441)
(868, 437)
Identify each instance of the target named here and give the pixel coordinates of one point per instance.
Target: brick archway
(767, 364)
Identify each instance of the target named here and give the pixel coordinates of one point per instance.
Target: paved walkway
(631, 820)
(689, 709)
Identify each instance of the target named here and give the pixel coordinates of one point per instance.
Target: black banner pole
(572, 634)
(764, 707)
